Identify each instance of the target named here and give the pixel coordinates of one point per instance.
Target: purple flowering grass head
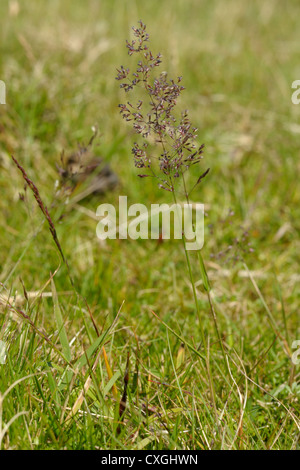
(154, 117)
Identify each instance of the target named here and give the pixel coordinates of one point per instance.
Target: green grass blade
(60, 324)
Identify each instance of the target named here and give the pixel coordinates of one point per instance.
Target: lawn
(105, 347)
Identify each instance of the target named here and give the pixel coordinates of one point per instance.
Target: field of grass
(121, 315)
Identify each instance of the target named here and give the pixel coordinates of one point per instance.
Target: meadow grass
(122, 316)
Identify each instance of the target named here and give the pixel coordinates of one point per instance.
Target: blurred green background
(238, 60)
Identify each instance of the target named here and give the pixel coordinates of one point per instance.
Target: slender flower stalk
(45, 212)
(158, 125)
